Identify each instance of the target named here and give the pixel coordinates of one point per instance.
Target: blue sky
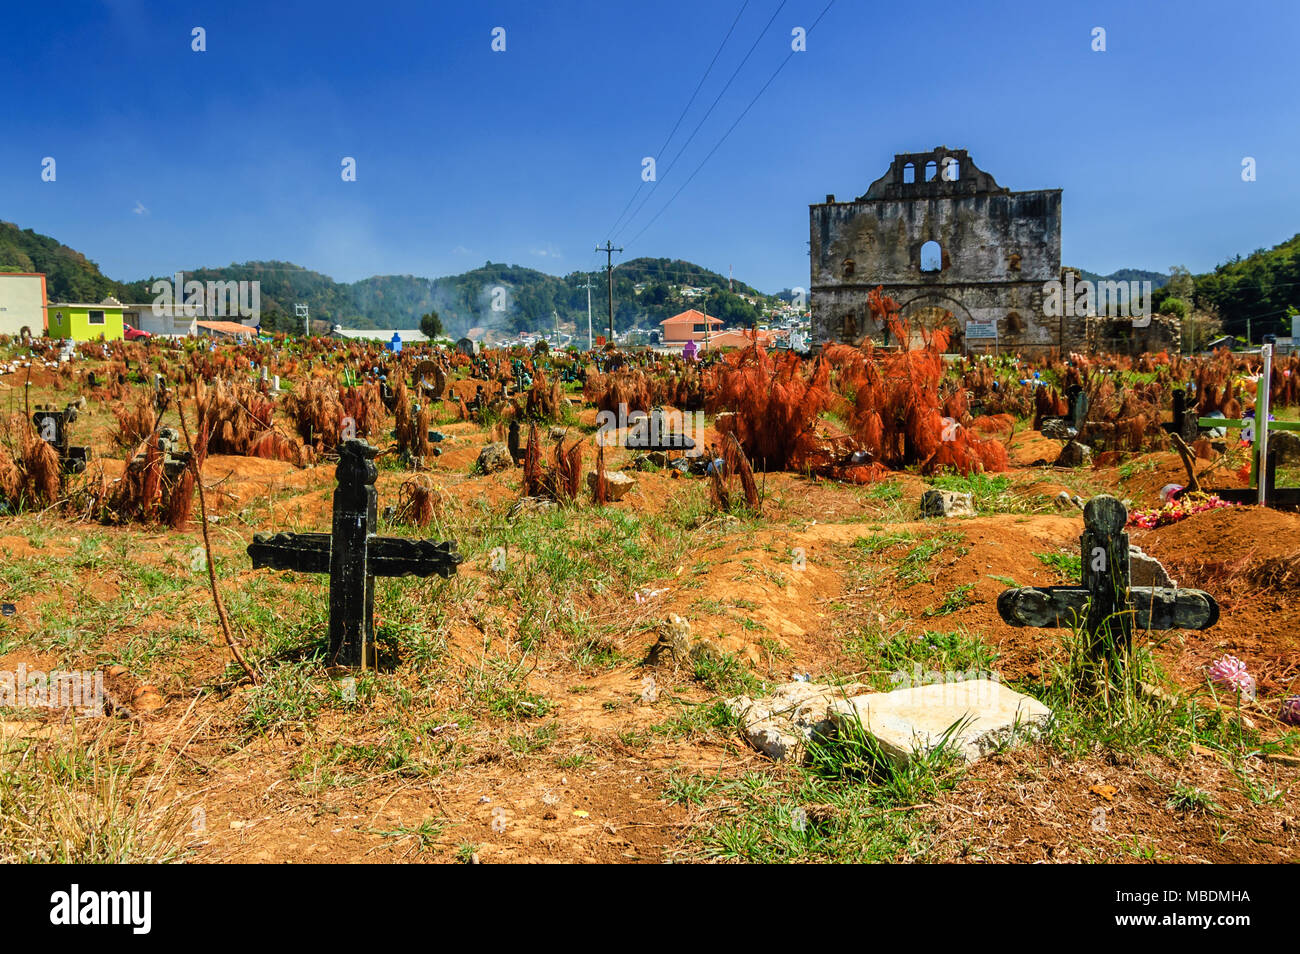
(169, 159)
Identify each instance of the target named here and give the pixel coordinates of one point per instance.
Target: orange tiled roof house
(690, 325)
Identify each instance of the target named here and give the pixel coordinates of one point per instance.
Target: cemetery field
(562, 696)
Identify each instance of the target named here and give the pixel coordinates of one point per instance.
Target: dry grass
(66, 802)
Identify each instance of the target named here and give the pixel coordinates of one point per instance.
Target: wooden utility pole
(609, 251)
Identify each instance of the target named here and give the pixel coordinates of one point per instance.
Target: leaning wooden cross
(1105, 602)
(353, 556)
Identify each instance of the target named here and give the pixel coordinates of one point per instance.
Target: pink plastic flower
(1291, 710)
(1230, 673)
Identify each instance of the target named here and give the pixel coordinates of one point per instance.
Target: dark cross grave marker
(353, 556)
(1104, 601)
(52, 427)
(1185, 418)
(654, 433)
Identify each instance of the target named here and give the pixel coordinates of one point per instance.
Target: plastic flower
(1230, 672)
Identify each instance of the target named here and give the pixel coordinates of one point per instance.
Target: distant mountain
(505, 299)
(1157, 279)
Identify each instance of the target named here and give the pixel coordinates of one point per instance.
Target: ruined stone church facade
(950, 245)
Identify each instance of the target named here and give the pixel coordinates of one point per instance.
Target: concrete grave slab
(780, 725)
(905, 722)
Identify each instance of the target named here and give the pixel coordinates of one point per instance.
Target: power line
(690, 102)
(672, 162)
(742, 115)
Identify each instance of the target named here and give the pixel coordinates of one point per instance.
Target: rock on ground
(1057, 428)
(781, 724)
(676, 645)
(947, 503)
(1286, 445)
(974, 717)
(1146, 570)
(617, 484)
(494, 457)
(531, 505)
(1074, 454)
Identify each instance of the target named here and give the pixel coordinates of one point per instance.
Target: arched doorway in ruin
(930, 311)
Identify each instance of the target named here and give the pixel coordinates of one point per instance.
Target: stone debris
(1057, 428)
(494, 457)
(531, 505)
(1074, 454)
(617, 484)
(982, 714)
(652, 459)
(1146, 570)
(1285, 445)
(1064, 501)
(676, 645)
(947, 503)
(781, 724)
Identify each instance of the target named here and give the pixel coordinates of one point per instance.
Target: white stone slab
(905, 722)
(779, 725)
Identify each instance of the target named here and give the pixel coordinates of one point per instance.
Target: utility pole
(589, 287)
(609, 251)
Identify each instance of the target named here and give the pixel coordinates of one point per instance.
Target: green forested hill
(528, 299)
(1260, 288)
(69, 275)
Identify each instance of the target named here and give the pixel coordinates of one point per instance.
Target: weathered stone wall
(997, 249)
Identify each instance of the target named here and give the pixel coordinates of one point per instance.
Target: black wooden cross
(353, 556)
(655, 433)
(1105, 602)
(52, 426)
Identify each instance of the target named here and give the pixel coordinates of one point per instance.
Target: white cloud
(139, 208)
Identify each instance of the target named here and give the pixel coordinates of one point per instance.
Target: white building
(407, 335)
(171, 321)
(22, 303)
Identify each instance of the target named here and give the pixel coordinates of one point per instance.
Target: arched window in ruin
(848, 327)
(951, 169)
(848, 268)
(931, 171)
(909, 174)
(1013, 261)
(931, 257)
(1015, 324)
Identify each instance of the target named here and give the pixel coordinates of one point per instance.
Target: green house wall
(73, 321)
